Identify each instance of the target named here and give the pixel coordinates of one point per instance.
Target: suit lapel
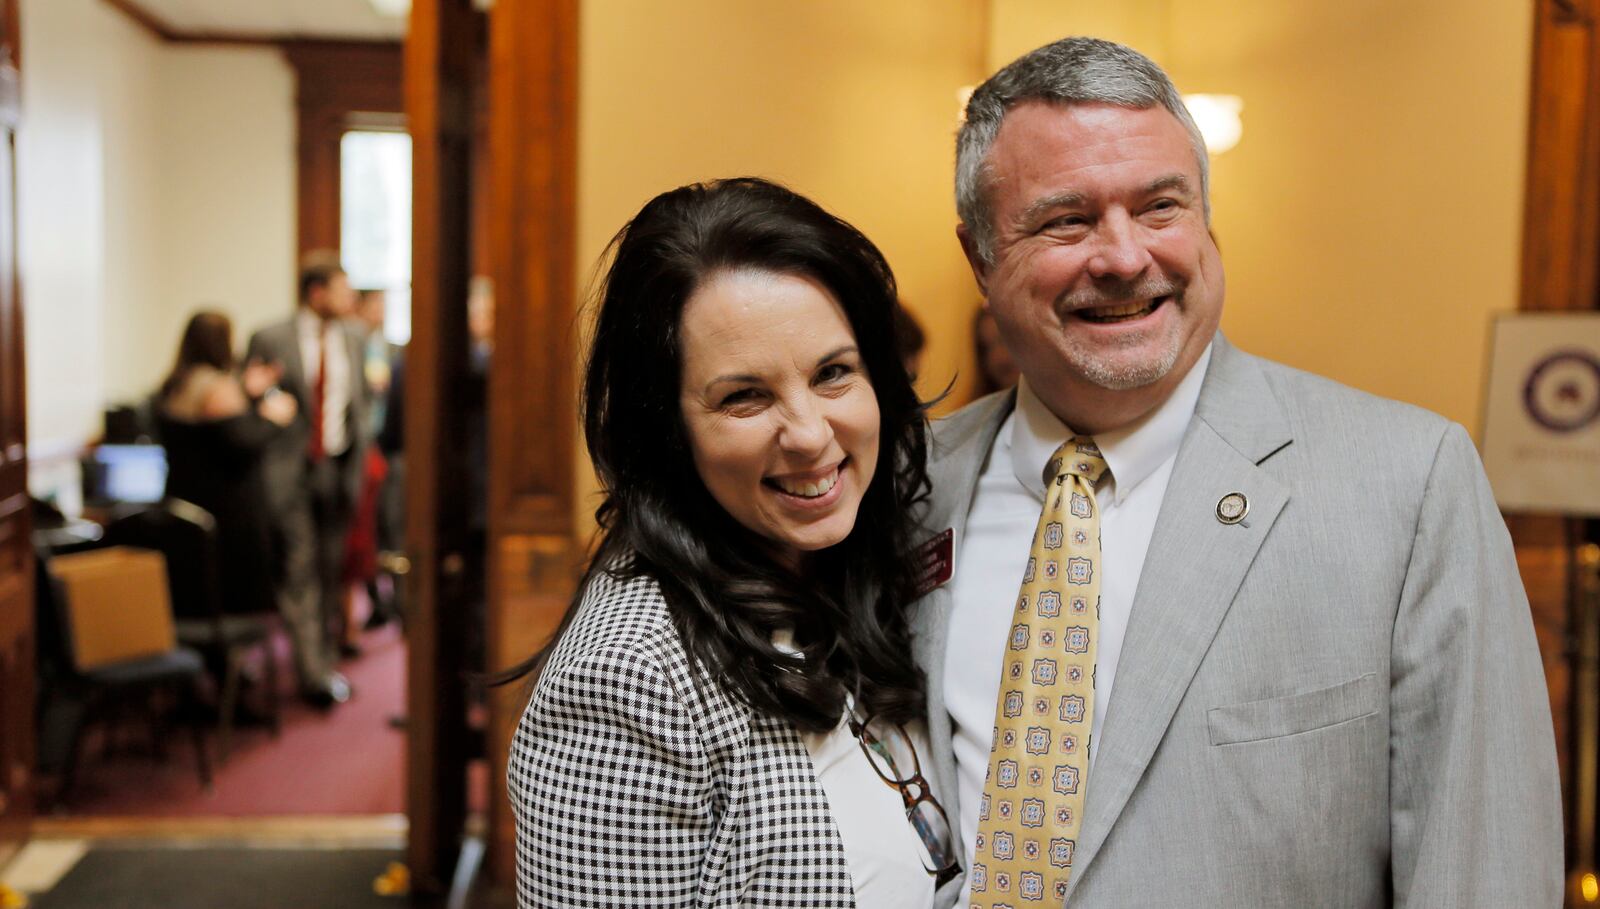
(960, 446)
(1191, 573)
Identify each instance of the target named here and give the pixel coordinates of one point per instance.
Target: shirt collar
(309, 324)
(1132, 453)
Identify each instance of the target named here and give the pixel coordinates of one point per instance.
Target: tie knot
(1078, 457)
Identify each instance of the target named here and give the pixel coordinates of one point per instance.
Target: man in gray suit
(1316, 681)
(313, 471)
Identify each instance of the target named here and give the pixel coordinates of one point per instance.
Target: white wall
(228, 191)
(69, 47)
(152, 179)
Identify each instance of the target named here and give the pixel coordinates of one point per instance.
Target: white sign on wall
(1541, 434)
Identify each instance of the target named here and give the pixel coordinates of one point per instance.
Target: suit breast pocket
(1306, 711)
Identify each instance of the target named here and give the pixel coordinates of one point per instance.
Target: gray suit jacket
(1338, 701)
(285, 460)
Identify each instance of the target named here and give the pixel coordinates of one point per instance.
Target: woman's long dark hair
(207, 340)
(725, 592)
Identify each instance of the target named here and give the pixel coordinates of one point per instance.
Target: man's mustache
(1120, 293)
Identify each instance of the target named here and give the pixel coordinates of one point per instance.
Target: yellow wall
(1370, 218)
(1018, 26)
(853, 104)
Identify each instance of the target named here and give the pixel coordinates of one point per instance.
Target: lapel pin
(1232, 508)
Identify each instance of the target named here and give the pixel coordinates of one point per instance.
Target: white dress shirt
(336, 404)
(994, 550)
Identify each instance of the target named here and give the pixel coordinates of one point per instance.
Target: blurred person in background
(216, 421)
(911, 339)
(314, 469)
(371, 311)
(372, 527)
(996, 369)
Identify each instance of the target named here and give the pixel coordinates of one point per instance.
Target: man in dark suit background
(313, 471)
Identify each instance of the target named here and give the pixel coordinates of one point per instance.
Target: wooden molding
(18, 637)
(1560, 271)
(1569, 11)
(372, 831)
(446, 578)
(336, 85)
(532, 229)
(533, 416)
(1561, 214)
(168, 34)
(143, 18)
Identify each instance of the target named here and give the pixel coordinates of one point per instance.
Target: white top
(883, 851)
(335, 414)
(884, 854)
(994, 550)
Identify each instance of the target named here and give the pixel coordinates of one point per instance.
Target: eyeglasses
(889, 750)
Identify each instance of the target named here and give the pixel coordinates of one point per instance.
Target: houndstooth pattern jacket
(637, 780)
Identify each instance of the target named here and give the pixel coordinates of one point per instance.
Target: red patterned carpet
(347, 761)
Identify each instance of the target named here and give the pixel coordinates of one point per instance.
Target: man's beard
(1092, 362)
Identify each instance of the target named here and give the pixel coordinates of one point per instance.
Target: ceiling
(349, 19)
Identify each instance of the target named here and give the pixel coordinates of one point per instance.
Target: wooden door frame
(532, 223)
(1561, 271)
(18, 760)
(440, 65)
(335, 84)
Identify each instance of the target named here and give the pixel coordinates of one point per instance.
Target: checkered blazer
(638, 780)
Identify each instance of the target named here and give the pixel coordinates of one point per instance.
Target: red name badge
(934, 562)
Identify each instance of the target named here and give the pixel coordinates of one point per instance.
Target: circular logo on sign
(1562, 393)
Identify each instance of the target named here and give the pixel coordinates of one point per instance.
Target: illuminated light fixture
(403, 7)
(1590, 888)
(1218, 119)
(963, 95)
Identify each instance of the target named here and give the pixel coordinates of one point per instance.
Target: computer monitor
(125, 473)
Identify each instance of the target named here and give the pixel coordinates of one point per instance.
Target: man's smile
(1120, 312)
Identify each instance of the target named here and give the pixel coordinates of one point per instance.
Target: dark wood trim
(532, 218)
(163, 31)
(1560, 271)
(335, 83)
(143, 18)
(533, 166)
(1561, 205)
(440, 68)
(18, 639)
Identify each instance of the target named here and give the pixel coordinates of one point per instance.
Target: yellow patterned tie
(1033, 797)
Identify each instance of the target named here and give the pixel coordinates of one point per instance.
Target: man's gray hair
(1069, 71)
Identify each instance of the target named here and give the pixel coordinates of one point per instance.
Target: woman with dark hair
(214, 423)
(727, 715)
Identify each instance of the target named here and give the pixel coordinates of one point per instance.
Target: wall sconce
(1216, 115)
(963, 95)
(398, 8)
(1218, 119)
